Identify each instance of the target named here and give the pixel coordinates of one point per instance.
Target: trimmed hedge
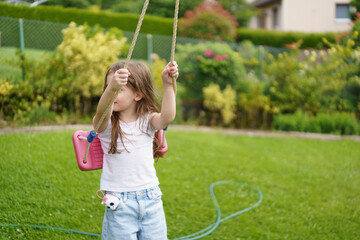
(154, 24)
(280, 39)
(337, 123)
(123, 21)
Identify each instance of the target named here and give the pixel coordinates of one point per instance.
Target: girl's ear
(138, 96)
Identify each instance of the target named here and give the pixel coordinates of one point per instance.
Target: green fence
(47, 36)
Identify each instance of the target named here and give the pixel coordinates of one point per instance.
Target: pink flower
(209, 53)
(218, 57)
(225, 56)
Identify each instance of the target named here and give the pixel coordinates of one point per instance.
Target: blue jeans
(139, 216)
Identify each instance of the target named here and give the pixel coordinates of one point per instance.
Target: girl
(127, 136)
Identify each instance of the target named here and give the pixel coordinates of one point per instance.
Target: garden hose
(200, 234)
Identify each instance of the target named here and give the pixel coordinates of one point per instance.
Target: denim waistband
(148, 193)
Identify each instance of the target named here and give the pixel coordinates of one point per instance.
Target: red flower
(209, 53)
(218, 57)
(225, 56)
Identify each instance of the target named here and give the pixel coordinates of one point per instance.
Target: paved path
(246, 132)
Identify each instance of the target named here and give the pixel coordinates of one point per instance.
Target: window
(275, 18)
(342, 11)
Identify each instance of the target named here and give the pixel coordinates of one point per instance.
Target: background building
(302, 15)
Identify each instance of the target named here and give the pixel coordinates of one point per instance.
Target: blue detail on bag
(91, 136)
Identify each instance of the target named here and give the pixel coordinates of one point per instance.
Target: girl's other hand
(119, 79)
(171, 71)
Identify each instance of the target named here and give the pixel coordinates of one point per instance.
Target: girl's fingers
(173, 71)
(122, 76)
(123, 71)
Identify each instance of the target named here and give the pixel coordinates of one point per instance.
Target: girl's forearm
(104, 102)
(168, 105)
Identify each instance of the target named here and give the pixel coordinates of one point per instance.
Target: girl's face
(126, 98)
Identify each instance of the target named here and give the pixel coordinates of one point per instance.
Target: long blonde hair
(140, 81)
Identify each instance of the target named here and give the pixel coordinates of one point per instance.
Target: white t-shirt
(133, 170)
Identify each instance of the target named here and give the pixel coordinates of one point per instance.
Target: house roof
(262, 3)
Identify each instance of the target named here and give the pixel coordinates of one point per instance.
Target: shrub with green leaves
(208, 21)
(280, 39)
(65, 80)
(23, 98)
(254, 107)
(85, 54)
(322, 81)
(206, 63)
(252, 57)
(223, 102)
(336, 123)
(355, 30)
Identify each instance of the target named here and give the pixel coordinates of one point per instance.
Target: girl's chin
(116, 109)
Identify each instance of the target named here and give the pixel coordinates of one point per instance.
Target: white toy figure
(110, 201)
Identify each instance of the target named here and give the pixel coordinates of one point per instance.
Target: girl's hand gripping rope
(104, 110)
(170, 73)
(119, 79)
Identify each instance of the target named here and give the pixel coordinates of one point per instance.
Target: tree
(127, 6)
(355, 4)
(83, 4)
(210, 21)
(241, 9)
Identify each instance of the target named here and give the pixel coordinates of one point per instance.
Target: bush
(157, 68)
(207, 63)
(254, 107)
(39, 115)
(355, 30)
(356, 5)
(336, 123)
(85, 54)
(322, 81)
(69, 3)
(69, 79)
(280, 39)
(252, 56)
(5, 90)
(290, 122)
(123, 21)
(217, 101)
(208, 21)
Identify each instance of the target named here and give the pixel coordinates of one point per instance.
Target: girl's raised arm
(168, 106)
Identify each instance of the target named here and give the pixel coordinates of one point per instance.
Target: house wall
(304, 16)
(312, 16)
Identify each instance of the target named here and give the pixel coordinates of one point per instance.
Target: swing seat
(163, 143)
(95, 156)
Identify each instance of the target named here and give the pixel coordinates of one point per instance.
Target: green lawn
(310, 187)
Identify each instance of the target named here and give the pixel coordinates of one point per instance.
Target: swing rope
(174, 39)
(93, 133)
